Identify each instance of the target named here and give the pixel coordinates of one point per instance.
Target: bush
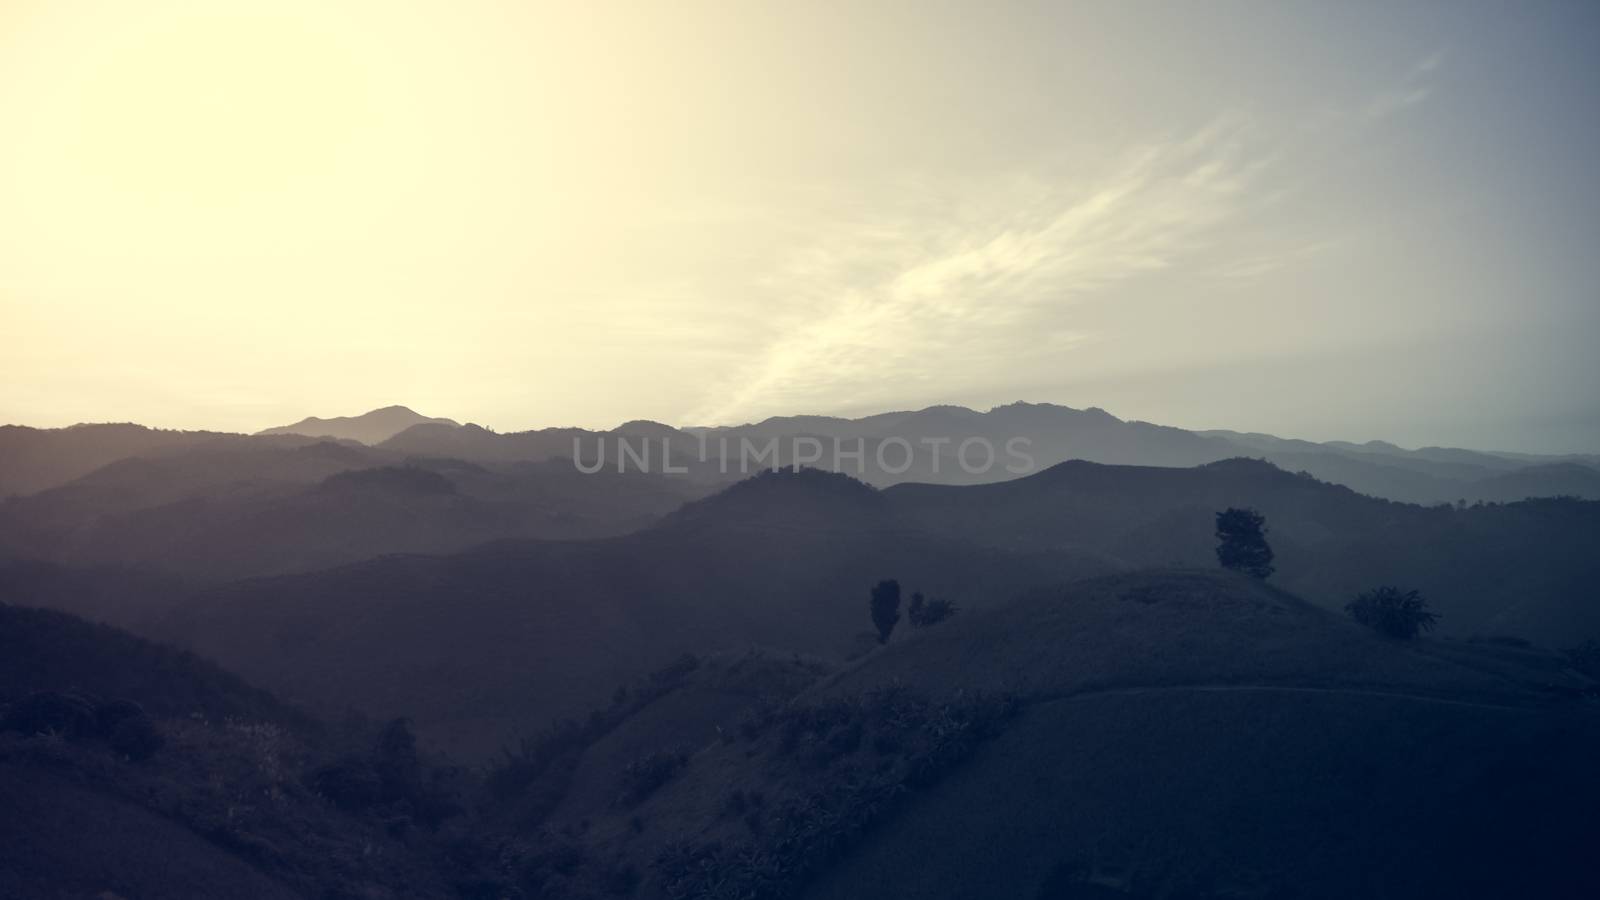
(1393, 612)
(923, 613)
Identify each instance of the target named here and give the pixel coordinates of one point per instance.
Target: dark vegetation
(530, 780)
(1393, 612)
(106, 738)
(122, 725)
(853, 760)
(1242, 542)
(885, 607)
(924, 612)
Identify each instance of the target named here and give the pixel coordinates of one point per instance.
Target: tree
(1242, 542)
(923, 612)
(885, 608)
(1391, 611)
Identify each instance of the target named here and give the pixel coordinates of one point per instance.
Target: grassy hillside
(1165, 734)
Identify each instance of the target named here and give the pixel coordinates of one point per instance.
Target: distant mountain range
(35, 459)
(1052, 434)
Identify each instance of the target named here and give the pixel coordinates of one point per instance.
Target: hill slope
(1176, 734)
(132, 769)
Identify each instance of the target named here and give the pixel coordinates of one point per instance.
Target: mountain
(1172, 733)
(369, 428)
(1544, 480)
(32, 459)
(939, 444)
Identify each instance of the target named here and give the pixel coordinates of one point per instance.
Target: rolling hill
(1165, 734)
(485, 644)
(540, 629)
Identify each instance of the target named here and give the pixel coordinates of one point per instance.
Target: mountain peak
(373, 427)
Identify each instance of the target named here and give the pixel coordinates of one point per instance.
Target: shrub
(923, 612)
(1393, 612)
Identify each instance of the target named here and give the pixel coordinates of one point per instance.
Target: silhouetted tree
(1242, 542)
(1391, 611)
(923, 612)
(885, 608)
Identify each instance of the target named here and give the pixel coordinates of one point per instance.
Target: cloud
(976, 279)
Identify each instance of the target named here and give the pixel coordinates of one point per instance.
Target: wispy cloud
(1413, 88)
(975, 285)
(952, 294)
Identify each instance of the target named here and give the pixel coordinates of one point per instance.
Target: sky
(1329, 220)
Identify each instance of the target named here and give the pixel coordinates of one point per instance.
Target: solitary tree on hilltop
(1242, 542)
(885, 608)
(1391, 611)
